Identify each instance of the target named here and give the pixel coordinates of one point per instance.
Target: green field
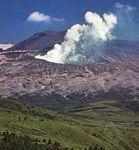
(111, 125)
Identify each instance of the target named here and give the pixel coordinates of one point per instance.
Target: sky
(20, 19)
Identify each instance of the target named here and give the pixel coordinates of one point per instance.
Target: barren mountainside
(41, 82)
(47, 82)
(40, 41)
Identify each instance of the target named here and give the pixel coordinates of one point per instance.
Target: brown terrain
(44, 83)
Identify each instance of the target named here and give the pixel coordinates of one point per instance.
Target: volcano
(45, 83)
(42, 42)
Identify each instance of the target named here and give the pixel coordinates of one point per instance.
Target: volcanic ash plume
(83, 43)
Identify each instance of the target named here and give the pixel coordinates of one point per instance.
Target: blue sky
(55, 15)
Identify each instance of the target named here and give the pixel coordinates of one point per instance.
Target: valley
(69, 106)
(69, 75)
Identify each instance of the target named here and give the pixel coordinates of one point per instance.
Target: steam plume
(83, 43)
(127, 22)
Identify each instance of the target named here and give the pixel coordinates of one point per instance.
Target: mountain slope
(44, 41)
(40, 41)
(42, 82)
(78, 127)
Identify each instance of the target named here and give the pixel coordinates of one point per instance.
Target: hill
(40, 41)
(102, 124)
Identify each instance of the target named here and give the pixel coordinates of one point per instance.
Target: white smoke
(83, 42)
(6, 46)
(127, 22)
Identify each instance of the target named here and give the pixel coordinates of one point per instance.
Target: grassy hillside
(111, 125)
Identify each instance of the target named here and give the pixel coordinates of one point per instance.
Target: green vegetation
(109, 125)
(10, 141)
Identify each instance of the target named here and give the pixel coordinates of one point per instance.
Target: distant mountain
(44, 41)
(41, 41)
(123, 50)
(41, 82)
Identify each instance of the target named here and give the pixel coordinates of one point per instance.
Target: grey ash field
(79, 106)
